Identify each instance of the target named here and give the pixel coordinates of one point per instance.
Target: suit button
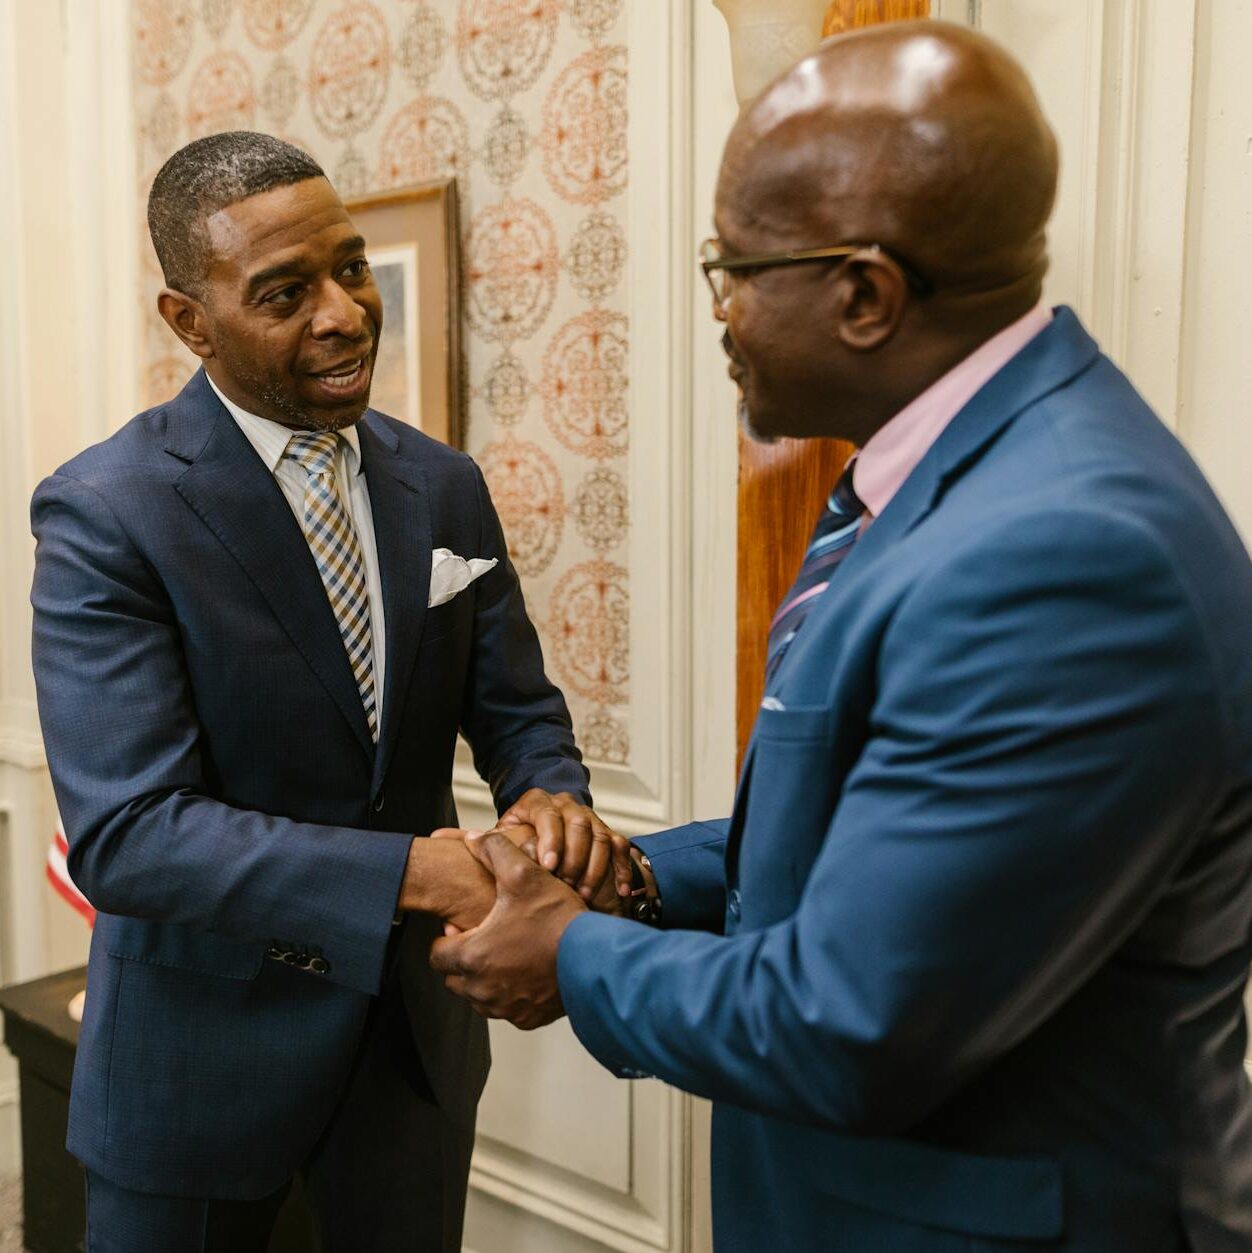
(732, 902)
(379, 801)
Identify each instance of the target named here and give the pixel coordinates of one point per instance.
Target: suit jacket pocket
(453, 615)
(795, 725)
(785, 810)
(184, 948)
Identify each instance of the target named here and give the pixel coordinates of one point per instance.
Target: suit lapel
(237, 498)
(1053, 358)
(402, 534)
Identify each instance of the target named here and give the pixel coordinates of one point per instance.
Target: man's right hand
(602, 891)
(444, 878)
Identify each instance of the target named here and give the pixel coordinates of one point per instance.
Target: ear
(187, 319)
(873, 293)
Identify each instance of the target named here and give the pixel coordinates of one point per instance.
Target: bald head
(922, 136)
(917, 148)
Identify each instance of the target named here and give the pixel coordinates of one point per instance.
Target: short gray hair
(207, 175)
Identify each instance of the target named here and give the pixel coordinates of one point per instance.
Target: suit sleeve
(513, 716)
(123, 744)
(1046, 740)
(689, 865)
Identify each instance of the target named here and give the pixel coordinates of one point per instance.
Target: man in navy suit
(964, 970)
(262, 614)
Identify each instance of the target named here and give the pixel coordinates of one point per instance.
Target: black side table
(44, 1039)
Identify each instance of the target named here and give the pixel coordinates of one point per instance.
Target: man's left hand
(572, 841)
(506, 966)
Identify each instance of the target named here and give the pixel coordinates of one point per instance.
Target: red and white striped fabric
(59, 876)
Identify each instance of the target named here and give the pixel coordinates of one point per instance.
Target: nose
(719, 307)
(338, 313)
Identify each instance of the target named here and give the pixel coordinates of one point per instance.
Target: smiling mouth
(346, 378)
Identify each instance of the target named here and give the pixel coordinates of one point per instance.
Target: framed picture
(412, 240)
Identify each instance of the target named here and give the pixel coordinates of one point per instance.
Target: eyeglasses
(718, 269)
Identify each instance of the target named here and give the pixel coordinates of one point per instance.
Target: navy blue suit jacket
(964, 971)
(222, 797)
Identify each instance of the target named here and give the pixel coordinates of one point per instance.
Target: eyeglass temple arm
(762, 258)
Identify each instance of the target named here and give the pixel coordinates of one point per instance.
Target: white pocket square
(450, 574)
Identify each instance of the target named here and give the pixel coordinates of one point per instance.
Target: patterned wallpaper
(524, 101)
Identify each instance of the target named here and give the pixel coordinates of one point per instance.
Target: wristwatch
(644, 903)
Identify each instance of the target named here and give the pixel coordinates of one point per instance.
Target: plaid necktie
(334, 545)
(836, 531)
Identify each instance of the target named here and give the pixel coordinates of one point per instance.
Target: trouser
(388, 1175)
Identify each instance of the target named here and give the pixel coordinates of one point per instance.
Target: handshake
(507, 895)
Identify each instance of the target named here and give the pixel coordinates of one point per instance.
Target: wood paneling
(782, 486)
(851, 14)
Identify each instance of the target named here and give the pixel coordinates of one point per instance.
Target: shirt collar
(893, 451)
(269, 438)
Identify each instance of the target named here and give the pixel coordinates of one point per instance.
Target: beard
(278, 399)
(746, 426)
(744, 410)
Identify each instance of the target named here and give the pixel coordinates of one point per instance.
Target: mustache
(365, 344)
(728, 347)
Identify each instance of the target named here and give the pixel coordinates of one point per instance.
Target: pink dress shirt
(891, 454)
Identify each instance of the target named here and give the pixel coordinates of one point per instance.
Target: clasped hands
(507, 895)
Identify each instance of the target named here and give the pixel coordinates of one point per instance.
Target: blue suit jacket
(985, 897)
(221, 794)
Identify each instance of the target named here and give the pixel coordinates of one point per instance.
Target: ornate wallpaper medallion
(596, 256)
(584, 384)
(601, 509)
(525, 487)
(507, 389)
(280, 91)
(427, 139)
(584, 128)
(423, 42)
(348, 74)
(222, 97)
(511, 268)
(503, 45)
(273, 24)
(590, 631)
(163, 33)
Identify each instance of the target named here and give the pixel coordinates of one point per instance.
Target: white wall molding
(21, 749)
(1115, 79)
(1215, 369)
(66, 311)
(20, 741)
(1144, 146)
(101, 170)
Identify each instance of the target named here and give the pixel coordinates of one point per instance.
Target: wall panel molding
(66, 315)
(1141, 219)
(1115, 78)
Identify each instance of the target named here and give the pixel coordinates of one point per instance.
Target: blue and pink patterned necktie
(836, 531)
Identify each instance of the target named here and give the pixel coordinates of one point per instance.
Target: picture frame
(412, 240)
